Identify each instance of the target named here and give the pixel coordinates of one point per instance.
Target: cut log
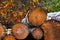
(20, 31)
(9, 37)
(37, 16)
(37, 33)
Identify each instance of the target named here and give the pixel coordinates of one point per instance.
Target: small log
(37, 33)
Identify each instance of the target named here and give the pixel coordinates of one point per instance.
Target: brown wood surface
(2, 31)
(51, 30)
(9, 37)
(37, 16)
(20, 31)
(37, 33)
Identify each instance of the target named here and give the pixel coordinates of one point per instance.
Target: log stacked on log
(14, 11)
(20, 31)
(37, 33)
(37, 16)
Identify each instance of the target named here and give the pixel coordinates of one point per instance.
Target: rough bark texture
(51, 30)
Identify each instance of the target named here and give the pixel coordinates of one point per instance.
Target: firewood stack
(13, 12)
